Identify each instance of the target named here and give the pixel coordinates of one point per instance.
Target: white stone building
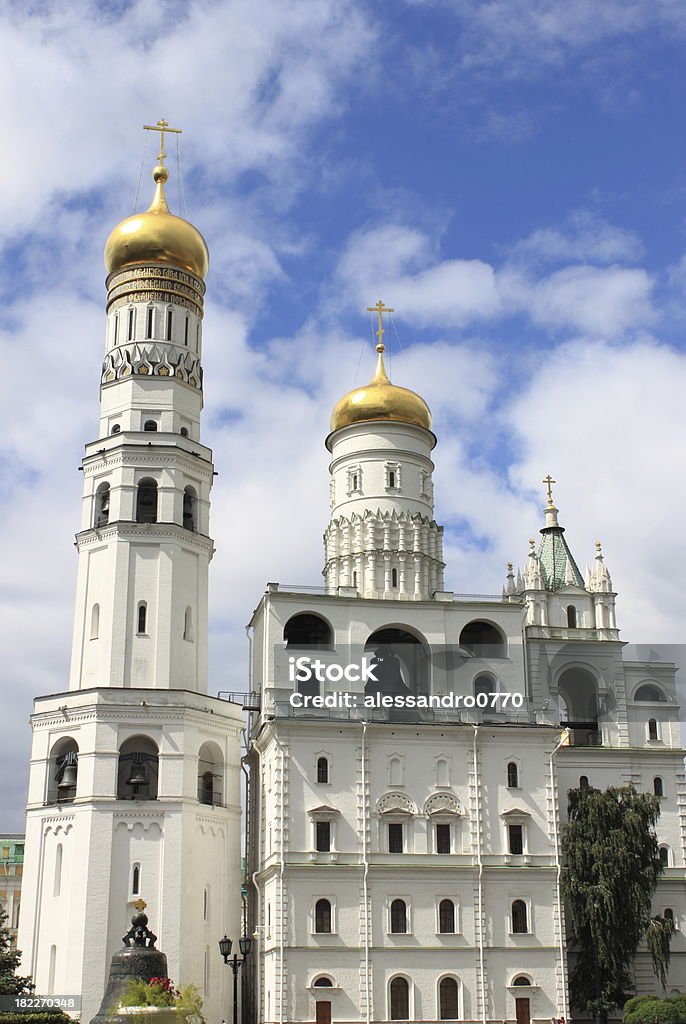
(405, 862)
(134, 781)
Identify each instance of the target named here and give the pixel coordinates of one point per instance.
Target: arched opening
(400, 999)
(669, 914)
(391, 478)
(395, 771)
(308, 630)
(512, 775)
(322, 982)
(142, 618)
(188, 623)
(184, 431)
(442, 772)
(150, 425)
(583, 782)
(322, 769)
(322, 917)
(484, 685)
(401, 665)
(63, 773)
(115, 428)
(398, 917)
(521, 981)
(578, 690)
(149, 321)
(520, 924)
(131, 324)
(394, 577)
(658, 786)
(189, 504)
(57, 880)
(652, 729)
(138, 769)
(648, 692)
(210, 774)
(483, 640)
(146, 501)
(663, 854)
(448, 999)
(571, 616)
(95, 622)
(446, 917)
(136, 880)
(102, 505)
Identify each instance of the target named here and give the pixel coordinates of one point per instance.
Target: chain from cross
(548, 481)
(380, 309)
(162, 126)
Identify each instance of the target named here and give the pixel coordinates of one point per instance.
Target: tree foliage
(658, 937)
(651, 1010)
(11, 984)
(612, 871)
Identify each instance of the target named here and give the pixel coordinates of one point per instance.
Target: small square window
(395, 837)
(442, 838)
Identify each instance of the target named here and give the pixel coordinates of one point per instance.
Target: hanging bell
(68, 779)
(138, 776)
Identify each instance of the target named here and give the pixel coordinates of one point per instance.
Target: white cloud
(584, 237)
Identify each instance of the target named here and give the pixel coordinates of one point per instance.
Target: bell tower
(134, 782)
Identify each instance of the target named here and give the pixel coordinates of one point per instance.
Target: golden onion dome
(381, 400)
(157, 236)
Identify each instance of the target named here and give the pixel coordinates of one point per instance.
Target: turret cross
(548, 481)
(380, 309)
(162, 126)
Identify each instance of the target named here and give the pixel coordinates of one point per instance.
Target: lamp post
(235, 963)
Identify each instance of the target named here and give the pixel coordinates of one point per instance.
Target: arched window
(150, 425)
(189, 498)
(447, 999)
(394, 577)
(149, 322)
(146, 501)
(398, 917)
(668, 914)
(658, 786)
(142, 618)
(354, 579)
(184, 431)
(520, 981)
(116, 427)
(138, 769)
(322, 917)
(185, 332)
(400, 999)
(395, 771)
(102, 505)
(307, 630)
(583, 782)
(170, 324)
(116, 329)
(391, 479)
(442, 772)
(136, 880)
(649, 693)
(483, 686)
(322, 769)
(95, 622)
(571, 616)
(663, 854)
(483, 640)
(188, 623)
(512, 775)
(57, 882)
(446, 917)
(323, 982)
(64, 769)
(210, 774)
(131, 324)
(652, 729)
(520, 925)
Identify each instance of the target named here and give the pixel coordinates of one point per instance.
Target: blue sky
(510, 176)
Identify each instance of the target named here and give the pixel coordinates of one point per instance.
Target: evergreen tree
(10, 983)
(612, 871)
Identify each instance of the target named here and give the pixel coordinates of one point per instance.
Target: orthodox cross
(162, 126)
(380, 309)
(548, 481)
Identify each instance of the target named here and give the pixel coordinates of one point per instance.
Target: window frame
(391, 902)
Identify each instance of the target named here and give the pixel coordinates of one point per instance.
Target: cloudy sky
(509, 175)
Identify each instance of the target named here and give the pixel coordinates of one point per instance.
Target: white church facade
(134, 789)
(406, 859)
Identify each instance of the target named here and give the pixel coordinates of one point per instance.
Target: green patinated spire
(556, 560)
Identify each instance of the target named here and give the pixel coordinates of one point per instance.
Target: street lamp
(235, 963)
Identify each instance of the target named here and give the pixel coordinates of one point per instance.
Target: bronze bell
(137, 776)
(68, 779)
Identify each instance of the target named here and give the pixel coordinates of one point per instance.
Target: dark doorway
(522, 1011)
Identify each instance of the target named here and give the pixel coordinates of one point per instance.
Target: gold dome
(381, 400)
(157, 236)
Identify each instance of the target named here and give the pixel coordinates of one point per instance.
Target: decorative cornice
(133, 454)
(127, 530)
(152, 358)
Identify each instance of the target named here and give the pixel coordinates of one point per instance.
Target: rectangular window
(323, 836)
(516, 838)
(169, 324)
(185, 332)
(442, 838)
(116, 328)
(395, 837)
(149, 323)
(132, 323)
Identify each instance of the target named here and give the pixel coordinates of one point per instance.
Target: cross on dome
(162, 126)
